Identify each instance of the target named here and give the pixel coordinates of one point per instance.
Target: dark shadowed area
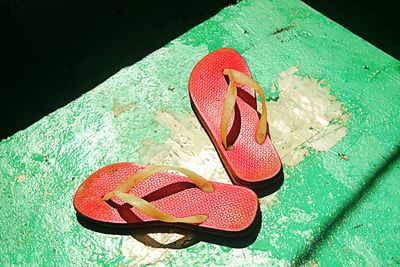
(54, 51)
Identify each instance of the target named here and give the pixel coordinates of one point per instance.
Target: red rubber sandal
(222, 95)
(128, 195)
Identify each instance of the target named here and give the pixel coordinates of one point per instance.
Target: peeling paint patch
(20, 178)
(119, 108)
(188, 146)
(153, 248)
(313, 263)
(222, 256)
(140, 253)
(268, 201)
(300, 216)
(305, 235)
(305, 116)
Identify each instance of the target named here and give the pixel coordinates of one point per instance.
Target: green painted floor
(332, 210)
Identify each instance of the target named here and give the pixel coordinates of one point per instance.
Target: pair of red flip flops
(222, 94)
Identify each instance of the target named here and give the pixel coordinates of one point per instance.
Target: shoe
(128, 195)
(223, 97)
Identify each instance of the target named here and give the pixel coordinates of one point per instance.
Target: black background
(54, 51)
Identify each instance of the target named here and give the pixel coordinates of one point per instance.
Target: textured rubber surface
(248, 163)
(229, 208)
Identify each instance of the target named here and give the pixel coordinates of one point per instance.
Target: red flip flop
(128, 195)
(222, 94)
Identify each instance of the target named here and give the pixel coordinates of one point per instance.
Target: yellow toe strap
(229, 105)
(121, 191)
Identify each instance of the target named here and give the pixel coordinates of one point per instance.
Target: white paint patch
(188, 146)
(243, 257)
(300, 216)
(220, 256)
(274, 240)
(305, 116)
(142, 255)
(305, 235)
(149, 249)
(119, 108)
(20, 178)
(268, 201)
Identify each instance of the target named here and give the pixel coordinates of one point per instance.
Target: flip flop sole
(231, 209)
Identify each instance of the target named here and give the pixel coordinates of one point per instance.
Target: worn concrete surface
(338, 206)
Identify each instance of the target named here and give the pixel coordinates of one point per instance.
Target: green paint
(42, 166)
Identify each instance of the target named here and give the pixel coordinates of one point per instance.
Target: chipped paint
(139, 254)
(188, 146)
(305, 116)
(119, 108)
(20, 178)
